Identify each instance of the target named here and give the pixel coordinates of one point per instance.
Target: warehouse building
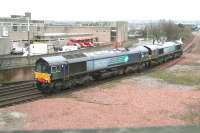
(15, 27)
(61, 39)
(60, 36)
(104, 31)
(4, 46)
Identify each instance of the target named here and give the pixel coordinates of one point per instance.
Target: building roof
(152, 47)
(83, 38)
(65, 34)
(139, 48)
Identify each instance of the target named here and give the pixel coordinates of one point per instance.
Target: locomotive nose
(43, 77)
(42, 80)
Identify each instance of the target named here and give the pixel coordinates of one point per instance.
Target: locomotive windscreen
(42, 67)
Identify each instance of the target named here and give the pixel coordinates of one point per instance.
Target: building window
(113, 33)
(38, 28)
(113, 36)
(14, 27)
(24, 27)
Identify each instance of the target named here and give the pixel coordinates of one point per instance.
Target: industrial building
(15, 27)
(61, 39)
(104, 31)
(4, 47)
(60, 36)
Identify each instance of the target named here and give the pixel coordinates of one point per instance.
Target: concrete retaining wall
(16, 61)
(16, 74)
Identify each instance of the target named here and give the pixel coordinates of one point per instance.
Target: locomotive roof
(100, 55)
(139, 48)
(93, 55)
(53, 60)
(152, 47)
(168, 44)
(105, 54)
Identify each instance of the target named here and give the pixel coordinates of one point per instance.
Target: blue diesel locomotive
(57, 72)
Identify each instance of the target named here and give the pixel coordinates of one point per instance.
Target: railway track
(18, 93)
(24, 91)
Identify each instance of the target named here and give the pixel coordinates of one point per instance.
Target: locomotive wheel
(47, 90)
(97, 76)
(57, 86)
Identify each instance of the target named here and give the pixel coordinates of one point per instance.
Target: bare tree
(167, 29)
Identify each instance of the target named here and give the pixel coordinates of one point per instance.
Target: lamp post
(147, 36)
(28, 30)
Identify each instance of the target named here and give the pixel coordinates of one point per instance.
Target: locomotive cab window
(38, 68)
(42, 67)
(55, 69)
(178, 47)
(160, 51)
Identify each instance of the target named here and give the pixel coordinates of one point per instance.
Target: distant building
(15, 27)
(104, 31)
(4, 46)
(60, 36)
(61, 39)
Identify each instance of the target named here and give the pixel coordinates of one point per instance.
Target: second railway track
(18, 93)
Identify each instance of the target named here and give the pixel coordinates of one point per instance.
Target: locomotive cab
(42, 72)
(49, 69)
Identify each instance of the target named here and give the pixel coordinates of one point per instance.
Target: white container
(16, 47)
(69, 48)
(38, 48)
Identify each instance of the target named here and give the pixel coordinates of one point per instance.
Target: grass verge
(176, 78)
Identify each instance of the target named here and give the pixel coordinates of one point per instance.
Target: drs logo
(119, 60)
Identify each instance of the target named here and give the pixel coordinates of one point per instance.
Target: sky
(100, 10)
